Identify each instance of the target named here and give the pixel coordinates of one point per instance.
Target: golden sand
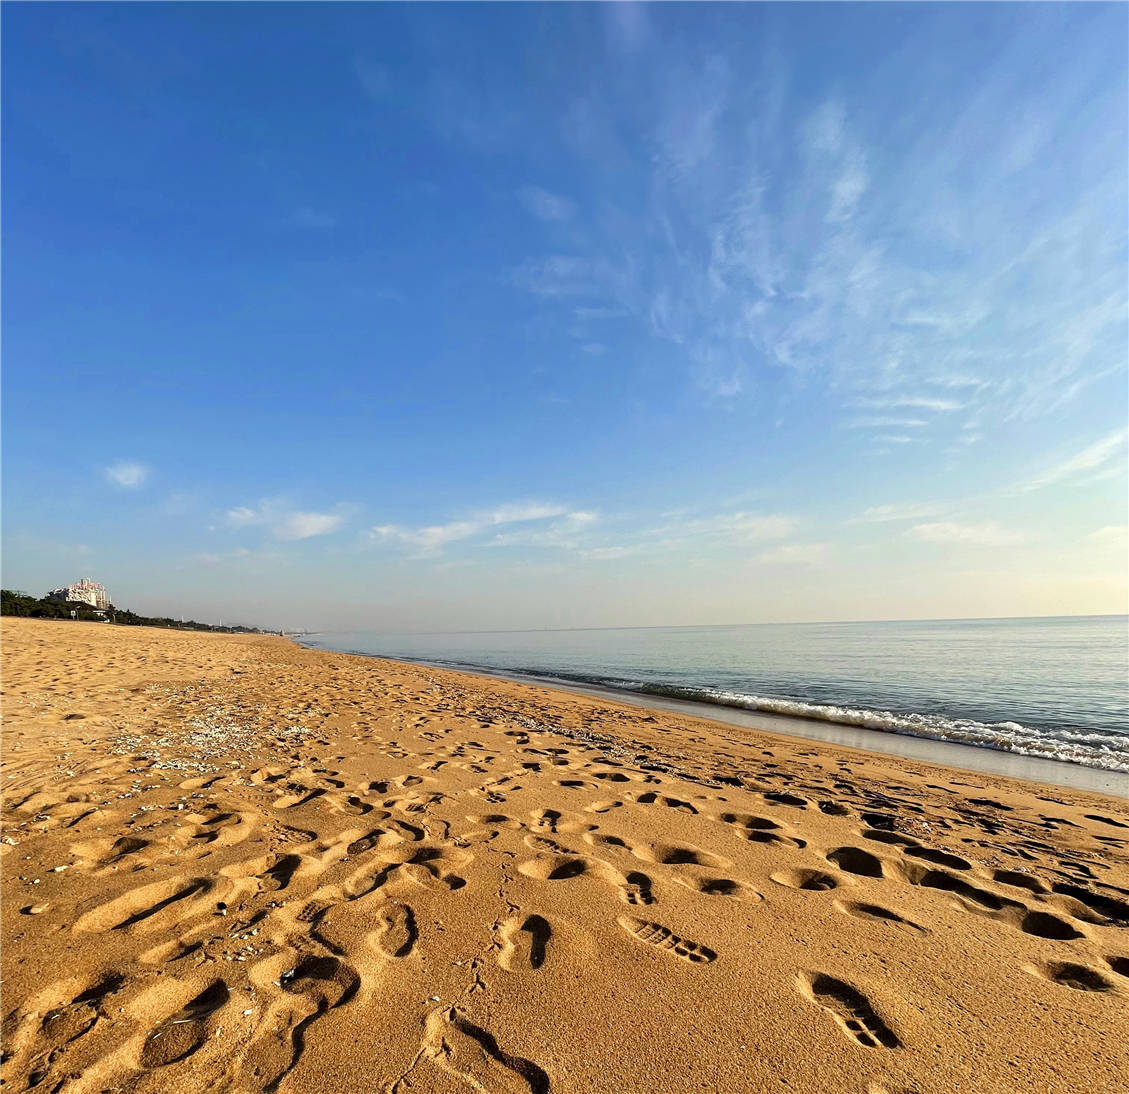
(231, 864)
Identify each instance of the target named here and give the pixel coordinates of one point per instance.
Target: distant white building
(85, 591)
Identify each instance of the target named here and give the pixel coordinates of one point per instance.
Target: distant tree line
(13, 602)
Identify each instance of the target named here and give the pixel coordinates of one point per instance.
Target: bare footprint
(458, 1046)
(1070, 975)
(806, 879)
(864, 911)
(182, 1033)
(850, 1009)
(314, 986)
(396, 934)
(524, 942)
(721, 886)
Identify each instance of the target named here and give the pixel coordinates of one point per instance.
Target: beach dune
(230, 863)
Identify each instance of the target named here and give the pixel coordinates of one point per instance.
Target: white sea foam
(1090, 748)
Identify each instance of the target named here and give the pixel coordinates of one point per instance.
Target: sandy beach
(233, 864)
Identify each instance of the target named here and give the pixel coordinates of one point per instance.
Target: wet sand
(230, 863)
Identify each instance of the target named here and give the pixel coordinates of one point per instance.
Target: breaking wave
(1090, 748)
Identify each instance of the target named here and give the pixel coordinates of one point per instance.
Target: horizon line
(774, 623)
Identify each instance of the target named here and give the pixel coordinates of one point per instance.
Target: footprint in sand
(555, 867)
(604, 805)
(157, 904)
(668, 854)
(939, 858)
(663, 938)
(182, 1033)
(396, 933)
(1105, 910)
(1071, 975)
(806, 879)
(465, 1050)
(851, 1010)
(721, 886)
(67, 1015)
(651, 798)
(524, 942)
(314, 986)
(637, 891)
(861, 910)
(854, 860)
(758, 829)
(167, 952)
(1018, 880)
(779, 798)
(100, 854)
(376, 840)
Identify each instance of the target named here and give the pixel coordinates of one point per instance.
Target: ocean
(1056, 688)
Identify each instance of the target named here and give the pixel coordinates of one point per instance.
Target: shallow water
(1056, 688)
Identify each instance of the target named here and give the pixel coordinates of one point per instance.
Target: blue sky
(469, 316)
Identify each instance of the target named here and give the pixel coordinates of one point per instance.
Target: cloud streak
(880, 514)
(427, 540)
(127, 474)
(1094, 459)
(286, 523)
(545, 205)
(951, 533)
(818, 256)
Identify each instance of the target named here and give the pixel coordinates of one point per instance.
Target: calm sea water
(1056, 687)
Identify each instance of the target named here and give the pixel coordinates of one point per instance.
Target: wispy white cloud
(520, 511)
(564, 533)
(179, 503)
(1114, 537)
(243, 515)
(1095, 458)
(128, 474)
(734, 527)
(569, 275)
(545, 205)
(688, 124)
(877, 514)
(794, 554)
(610, 552)
(628, 26)
(825, 128)
(848, 188)
(860, 278)
(430, 539)
(600, 313)
(287, 523)
(909, 402)
(987, 534)
(887, 423)
(306, 525)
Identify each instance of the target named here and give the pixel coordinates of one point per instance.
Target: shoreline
(235, 863)
(944, 753)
